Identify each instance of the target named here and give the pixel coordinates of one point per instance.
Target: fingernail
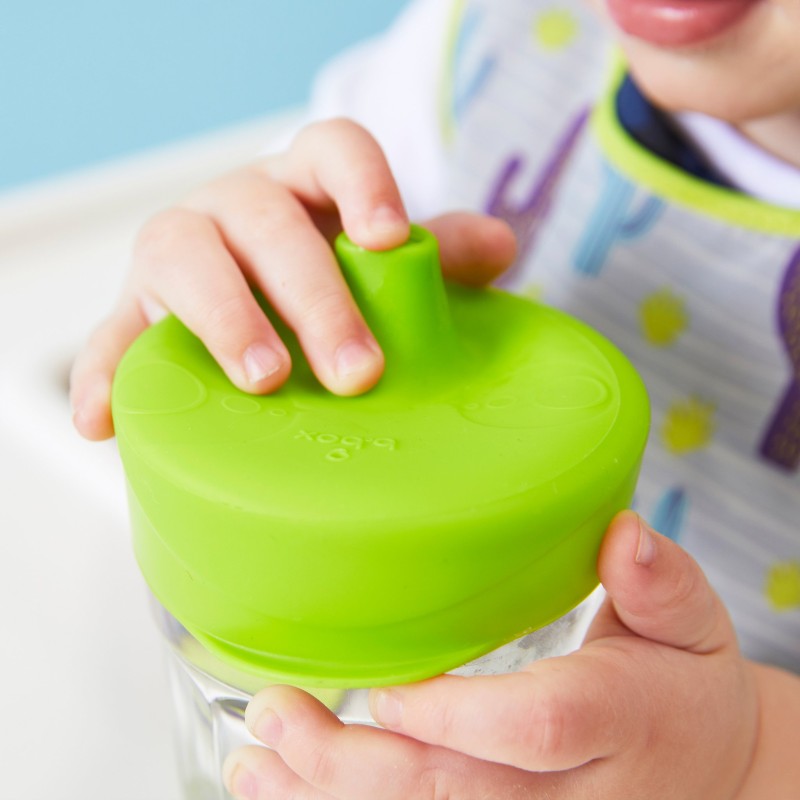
(151, 308)
(267, 727)
(241, 783)
(93, 397)
(260, 361)
(388, 708)
(354, 356)
(386, 218)
(646, 551)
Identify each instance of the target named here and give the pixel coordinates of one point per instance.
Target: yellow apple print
(663, 317)
(554, 29)
(783, 585)
(688, 425)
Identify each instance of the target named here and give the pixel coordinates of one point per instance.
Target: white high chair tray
(84, 709)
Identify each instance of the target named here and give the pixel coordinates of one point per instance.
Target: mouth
(678, 23)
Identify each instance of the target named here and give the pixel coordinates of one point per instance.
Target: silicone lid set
(389, 537)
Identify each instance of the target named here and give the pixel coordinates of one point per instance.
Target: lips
(678, 23)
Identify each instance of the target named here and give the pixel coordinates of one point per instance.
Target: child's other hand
(271, 226)
(658, 704)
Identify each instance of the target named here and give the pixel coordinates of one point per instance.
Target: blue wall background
(82, 81)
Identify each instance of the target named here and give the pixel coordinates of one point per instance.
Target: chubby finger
(255, 773)
(357, 762)
(554, 715)
(474, 248)
(272, 238)
(93, 370)
(338, 164)
(181, 261)
(658, 591)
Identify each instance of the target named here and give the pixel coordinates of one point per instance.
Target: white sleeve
(391, 85)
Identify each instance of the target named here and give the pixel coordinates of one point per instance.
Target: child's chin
(709, 86)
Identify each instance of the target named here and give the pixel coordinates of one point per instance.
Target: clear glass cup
(210, 696)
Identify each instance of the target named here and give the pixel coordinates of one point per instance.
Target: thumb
(474, 248)
(658, 591)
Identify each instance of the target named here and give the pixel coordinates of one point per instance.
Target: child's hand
(271, 225)
(657, 705)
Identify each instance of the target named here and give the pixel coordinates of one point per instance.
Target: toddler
(652, 190)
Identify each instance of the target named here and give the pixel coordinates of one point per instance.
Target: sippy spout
(401, 294)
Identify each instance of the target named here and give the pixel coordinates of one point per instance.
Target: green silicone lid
(388, 537)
